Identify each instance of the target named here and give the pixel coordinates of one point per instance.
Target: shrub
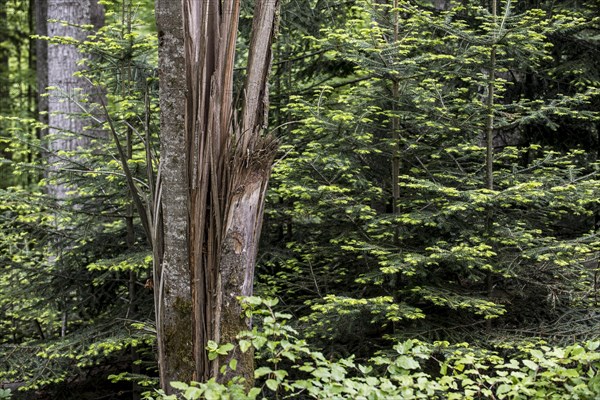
(289, 368)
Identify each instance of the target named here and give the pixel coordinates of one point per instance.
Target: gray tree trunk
(214, 173)
(68, 132)
(4, 56)
(442, 5)
(172, 279)
(41, 60)
(5, 103)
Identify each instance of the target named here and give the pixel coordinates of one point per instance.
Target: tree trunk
(215, 175)
(67, 132)
(5, 104)
(4, 56)
(489, 146)
(41, 62)
(172, 278)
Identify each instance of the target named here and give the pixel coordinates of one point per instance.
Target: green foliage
(72, 281)
(290, 368)
(18, 131)
(357, 103)
(449, 258)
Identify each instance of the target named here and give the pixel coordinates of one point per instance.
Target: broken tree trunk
(216, 168)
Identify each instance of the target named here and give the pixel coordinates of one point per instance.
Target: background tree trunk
(4, 55)
(41, 60)
(68, 131)
(221, 183)
(5, 104)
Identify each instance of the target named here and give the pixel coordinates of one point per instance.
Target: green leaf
(224, 349)
(306, 368)
(253, 300)
(245, 345)
(212, 394)
(179, 385)
(537, 354)
(571, 373)
(272, 384)
(253, 393)
(262, 371)
(504, 388)
(531, 365)
(193, 393)
(406, 362)
(272, 302)
(592, 346)
(322, 373)
(259, 342)
(211, 345)
(337, 373)
(280, 374)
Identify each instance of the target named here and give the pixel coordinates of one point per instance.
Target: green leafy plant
(74, 275)
(290, 368)
(383, 222)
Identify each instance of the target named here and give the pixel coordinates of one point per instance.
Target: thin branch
(135, 194)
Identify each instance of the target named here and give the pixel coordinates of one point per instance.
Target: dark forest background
(436, 185)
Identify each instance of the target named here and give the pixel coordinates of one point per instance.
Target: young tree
(84, 254)
(448, 239)
(215, 165)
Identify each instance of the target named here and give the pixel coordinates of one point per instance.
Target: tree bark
(4, 56)
(215, 172)
(68, 132)
(5, 103)
(172, 278)
(489, 144)
(41, 62)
